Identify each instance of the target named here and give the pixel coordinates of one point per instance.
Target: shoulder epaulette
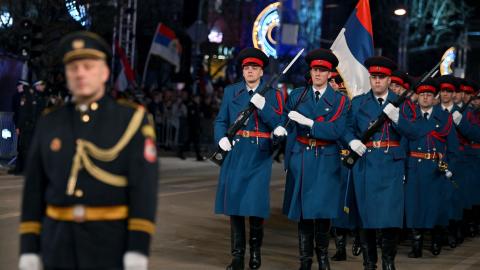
(128, 103)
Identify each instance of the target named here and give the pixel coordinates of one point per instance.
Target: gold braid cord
(86, 149)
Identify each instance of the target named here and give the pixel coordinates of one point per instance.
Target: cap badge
(78, 44)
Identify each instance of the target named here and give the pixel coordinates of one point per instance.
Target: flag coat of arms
(165, 44)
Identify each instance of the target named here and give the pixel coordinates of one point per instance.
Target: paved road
(190, 236)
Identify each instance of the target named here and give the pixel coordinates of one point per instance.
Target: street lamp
(402, 18)
(400, 11)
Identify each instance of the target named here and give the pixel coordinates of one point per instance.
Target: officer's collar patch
(150, 151)
(55, 144)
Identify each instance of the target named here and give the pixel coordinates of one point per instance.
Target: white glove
(392, 112)
(225, 144)
(457, 117)
(258, 100)
(280, 131)
(30, 261)
(135, 261)
(358, 147)
(302, 120)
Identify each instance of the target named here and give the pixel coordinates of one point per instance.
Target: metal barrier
(171, 132)
(8, 139)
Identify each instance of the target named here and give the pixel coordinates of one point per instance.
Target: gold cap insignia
(78, 44)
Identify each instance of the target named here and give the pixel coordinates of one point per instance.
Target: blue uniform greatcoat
(312, 190)
(468, 130)
(243, 187)
(428, 193)
(379, 174)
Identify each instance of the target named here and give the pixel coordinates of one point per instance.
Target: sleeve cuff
(139, 241)
(29, 243)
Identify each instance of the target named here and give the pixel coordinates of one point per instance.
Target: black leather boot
(322, 237)
(459, 234)
(436, 246)
(389, 248)
(452, 234)
(356, 247)
(305, 243)
(255, 242)
(470, 226)
(237, 229)
(368, 245)
(340, 244)
(417, 244)
(476, 219)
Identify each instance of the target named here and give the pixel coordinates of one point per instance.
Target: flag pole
(148, 57)
(145, 69)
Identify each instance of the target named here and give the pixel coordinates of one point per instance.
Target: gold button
(78, 193)
(94, 106)
(85, 118)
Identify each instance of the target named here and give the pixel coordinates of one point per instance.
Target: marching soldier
(21, 109)
(90, 187)
(436, 144)
(449, 86)
(468, 125)
(27, 111)
(312, 191)
(380, 172)
(243, 188)
(399, 79)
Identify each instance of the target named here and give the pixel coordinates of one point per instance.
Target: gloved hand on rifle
(258, 100)
(392, 112)
(358, 147)
(299, 118)
(280, 131)
(457, 117)
(225, 144)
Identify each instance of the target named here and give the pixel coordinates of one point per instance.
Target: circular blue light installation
(263, 27)
(78, 12)
(6, 19)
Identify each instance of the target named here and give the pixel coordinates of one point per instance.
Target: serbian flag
(126, 76)
(353, 45)
(165, 44)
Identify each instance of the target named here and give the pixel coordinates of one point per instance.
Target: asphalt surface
(190, 236)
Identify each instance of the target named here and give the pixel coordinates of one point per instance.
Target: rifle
(350, 160)
(308, 78)
(276, 140)
(465, 106)
(219, 155)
